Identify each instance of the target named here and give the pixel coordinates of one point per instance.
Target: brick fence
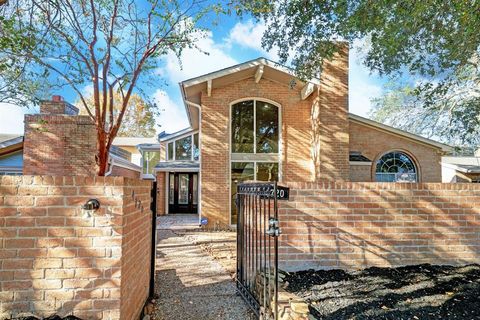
(357, 225)
(56, 260)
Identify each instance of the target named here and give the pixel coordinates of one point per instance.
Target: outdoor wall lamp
(90, 206)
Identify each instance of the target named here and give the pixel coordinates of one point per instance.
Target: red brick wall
(57, 144)
(332, 120)
(55, 260)
(314, 123)
(161, 176)
(373, 143)
(360, 173)
(357, 225)
(118, 171)
(136, 248)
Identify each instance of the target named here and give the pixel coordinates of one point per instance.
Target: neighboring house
(461, 169)
(130, 144)
(11, 155)
(257, 121)
(58, 141)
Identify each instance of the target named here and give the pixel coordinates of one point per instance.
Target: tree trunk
(102, 153)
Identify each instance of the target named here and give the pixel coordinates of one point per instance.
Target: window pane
(395, 167)
(241, 171)
(150, 160)
(242, 127)
(183, 188)
(183, 149)
(267, 127)
(195, 189)
(196, 150)
(171, 189)
(170, 151)
(267, 171)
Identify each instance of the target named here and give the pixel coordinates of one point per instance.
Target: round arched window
(396, 166)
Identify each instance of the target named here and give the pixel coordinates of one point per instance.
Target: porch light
(89, 207)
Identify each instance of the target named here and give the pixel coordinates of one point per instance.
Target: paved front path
(191, 285)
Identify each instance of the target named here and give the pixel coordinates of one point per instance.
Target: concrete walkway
(190, 284)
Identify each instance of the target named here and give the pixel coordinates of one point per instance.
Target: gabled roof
(258, 68)
(402, 133)
(242, 67)
(7, 140)
(171, 136)
(465, 168)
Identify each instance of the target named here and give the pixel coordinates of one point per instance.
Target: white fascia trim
(11, 142)
(176, 170)
(411, 136)
(181, 134)
(360, 163)
(240, 67)
(154, 147)
(459, 168)
(120, 162)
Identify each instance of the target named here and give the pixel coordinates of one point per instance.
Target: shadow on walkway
(191, 285)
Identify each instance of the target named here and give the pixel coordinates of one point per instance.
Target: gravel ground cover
(191, 284)
(411, 292)
(220, 245)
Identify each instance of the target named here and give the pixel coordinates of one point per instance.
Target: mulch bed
(411, 292)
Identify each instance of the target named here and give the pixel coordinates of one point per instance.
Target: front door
(183, 193)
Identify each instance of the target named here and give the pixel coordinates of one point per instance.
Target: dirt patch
(411, 292)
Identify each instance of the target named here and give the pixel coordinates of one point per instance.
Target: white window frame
(246, 157)
(191, 135)
(408, 154)
(148, 162)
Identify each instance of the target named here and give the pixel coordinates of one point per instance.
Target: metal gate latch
(273, 228)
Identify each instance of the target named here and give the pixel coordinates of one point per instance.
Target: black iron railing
(257, 246)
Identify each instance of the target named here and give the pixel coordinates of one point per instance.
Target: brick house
(257, 121)
(58, 141)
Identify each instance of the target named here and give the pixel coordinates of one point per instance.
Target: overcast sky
(229, 43)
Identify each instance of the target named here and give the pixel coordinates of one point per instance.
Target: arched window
(396, 166)
(255, 144)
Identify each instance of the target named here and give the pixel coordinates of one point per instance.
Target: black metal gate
(257, 246)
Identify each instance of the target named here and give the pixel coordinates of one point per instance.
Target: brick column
(58, 141)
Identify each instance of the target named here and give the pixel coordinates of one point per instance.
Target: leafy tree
(111, 46)
(426, 37)
(452, 116)
(435, 41)
(139, 118)
(16, 83)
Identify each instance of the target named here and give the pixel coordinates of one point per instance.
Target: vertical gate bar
(269, 258)
(264, 254)
(249, 223)
(246, 240)
(239, 229)
(275, 240)
(153, 249)
(254, 224)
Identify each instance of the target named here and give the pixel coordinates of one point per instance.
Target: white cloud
(249, 35)
(172, 116)
(195, 62)
(12, 118)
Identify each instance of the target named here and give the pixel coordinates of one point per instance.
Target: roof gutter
(199, 107)
(186, 102)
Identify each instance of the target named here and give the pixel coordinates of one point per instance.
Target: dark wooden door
(183, 192)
